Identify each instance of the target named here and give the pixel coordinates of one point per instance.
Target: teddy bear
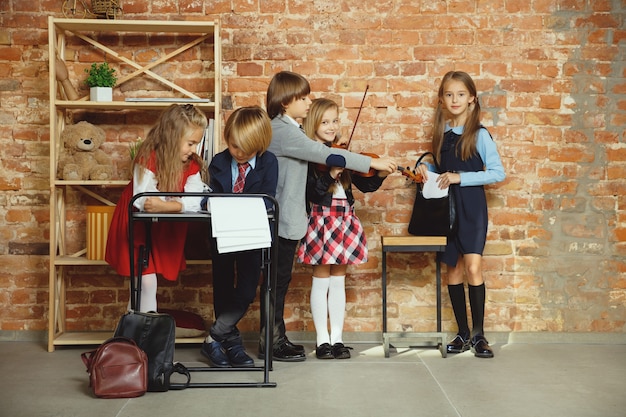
(81, 157)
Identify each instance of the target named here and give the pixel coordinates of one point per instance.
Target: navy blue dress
(470, 201)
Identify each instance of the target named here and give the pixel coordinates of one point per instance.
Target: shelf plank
(96, 338)
(82, 338)
(125, 105)
(142, 26)
(77, 261)
(82, 261)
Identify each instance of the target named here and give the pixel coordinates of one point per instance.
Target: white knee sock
(319, 308)
(337, 307)
(148, 300)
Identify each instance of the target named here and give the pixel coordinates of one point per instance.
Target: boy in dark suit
(244, 167)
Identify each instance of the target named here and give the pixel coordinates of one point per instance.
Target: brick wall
(551, 78)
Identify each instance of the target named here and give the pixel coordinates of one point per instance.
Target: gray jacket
(294, 150)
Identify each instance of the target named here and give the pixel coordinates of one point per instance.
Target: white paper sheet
(431, 189)
(239, 223)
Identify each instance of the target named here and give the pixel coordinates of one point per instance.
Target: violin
(372, 171)
(413, 176)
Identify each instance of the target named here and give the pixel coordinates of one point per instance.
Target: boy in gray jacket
(287, 101)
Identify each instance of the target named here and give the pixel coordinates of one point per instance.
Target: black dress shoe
(481, 347)
(324, 351)
(238, 357)
(297, 348)
(283, 353)
(340, 351)
(458, 345)
(215, 353)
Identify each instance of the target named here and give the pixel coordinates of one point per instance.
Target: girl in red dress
(166, 161)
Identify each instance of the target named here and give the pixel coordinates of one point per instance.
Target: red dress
(168, 239)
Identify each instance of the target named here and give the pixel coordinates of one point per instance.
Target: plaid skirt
(334, 236)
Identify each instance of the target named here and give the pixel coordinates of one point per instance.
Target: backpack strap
(183, 370)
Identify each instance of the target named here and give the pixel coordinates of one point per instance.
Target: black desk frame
(411, 244)
(269, 273)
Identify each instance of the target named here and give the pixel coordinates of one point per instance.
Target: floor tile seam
(121, 413)
(443, 391)
(365, 363)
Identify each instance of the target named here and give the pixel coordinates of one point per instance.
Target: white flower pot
(101, 94)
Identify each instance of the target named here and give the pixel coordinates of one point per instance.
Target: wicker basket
(101, 6)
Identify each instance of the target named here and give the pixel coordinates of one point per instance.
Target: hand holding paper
(431, 189)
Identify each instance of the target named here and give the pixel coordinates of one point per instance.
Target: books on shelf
(205, 147)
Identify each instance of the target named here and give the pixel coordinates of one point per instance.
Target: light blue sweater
(486, 148)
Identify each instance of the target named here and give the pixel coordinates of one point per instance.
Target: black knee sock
(477, 304)
(457, 298)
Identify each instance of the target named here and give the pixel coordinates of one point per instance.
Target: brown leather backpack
(117, 369)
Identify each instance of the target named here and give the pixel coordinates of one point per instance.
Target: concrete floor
(524, 379)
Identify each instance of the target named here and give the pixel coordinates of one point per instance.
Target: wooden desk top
(413, 240)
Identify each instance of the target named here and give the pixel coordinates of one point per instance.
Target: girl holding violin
(287, 101)
(335, 236)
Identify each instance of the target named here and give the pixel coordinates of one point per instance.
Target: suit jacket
(262, 179)
(294, 149)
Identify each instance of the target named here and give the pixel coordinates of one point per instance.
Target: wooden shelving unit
(95, 34)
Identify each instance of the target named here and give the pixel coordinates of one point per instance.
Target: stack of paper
(239, 223)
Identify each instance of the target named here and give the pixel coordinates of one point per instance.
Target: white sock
(148, 300)
(337, 307)
(319, 309)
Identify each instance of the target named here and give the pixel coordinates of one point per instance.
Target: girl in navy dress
(335, 236)
(468, 160)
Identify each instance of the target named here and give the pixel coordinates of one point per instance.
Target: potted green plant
(101, 79)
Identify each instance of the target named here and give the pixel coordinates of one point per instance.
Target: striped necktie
(241, 178)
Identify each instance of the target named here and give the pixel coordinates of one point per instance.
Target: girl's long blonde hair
(313, 120)
(467, 145)
(164, 144)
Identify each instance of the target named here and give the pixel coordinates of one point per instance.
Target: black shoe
(458, 344)
(481, 347)
(297, 348)
(238, 357)
(215, 353)
(324, 351)
(340, 351)
(283, 353)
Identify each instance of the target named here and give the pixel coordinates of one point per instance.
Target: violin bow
(357, 116)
